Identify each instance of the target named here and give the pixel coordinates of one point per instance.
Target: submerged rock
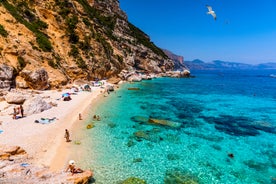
(137, 160)
(141, 135)
(149, 135)
(173, 157)
(133, 180)
(139, 119)
(238, 125)
(179, 177)
(162, 122)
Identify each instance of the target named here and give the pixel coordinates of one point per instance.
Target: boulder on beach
(36, 79)
(80, 178)
(16, 166)
(7, 151)
(15, 98)
(35, 105)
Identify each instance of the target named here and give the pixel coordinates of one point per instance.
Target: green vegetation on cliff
(3, 32)
(23, 14)
(141, 38)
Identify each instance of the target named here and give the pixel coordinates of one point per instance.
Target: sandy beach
(45, 143)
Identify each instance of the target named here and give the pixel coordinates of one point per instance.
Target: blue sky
(245, 30)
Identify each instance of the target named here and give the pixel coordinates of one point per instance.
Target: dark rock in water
(233, 125)
(141, 135)
(179, 177)
(143, 107)
(161, 122)
(149, 135)
(130, 143)
(139, 119)
(258, 166)
(111, 125)
(137, 160)
(206, 137)
(173, 138)
(230, 155)
(133, 88)
(264, 126)
(133, 180)
(237, 131)
(173, 157)
(164, 122)
(190, 123)
(273, 180)
(216, 147)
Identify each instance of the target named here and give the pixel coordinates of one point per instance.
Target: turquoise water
(227, 132)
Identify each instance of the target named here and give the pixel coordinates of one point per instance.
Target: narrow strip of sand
(45, 143)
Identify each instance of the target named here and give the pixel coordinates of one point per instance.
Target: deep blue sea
(227, 130)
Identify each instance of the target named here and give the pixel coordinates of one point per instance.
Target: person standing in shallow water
(67, 136)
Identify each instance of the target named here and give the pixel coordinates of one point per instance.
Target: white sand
(45, 143)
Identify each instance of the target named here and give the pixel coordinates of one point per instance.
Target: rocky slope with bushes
(47, 44)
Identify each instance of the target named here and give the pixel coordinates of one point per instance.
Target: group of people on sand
(96, 117)
(18, 110)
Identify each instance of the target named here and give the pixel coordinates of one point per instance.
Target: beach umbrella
(65, 95)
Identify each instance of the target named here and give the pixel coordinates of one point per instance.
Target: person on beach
(72, 168)
(21, 110)
(98, 118)
(14, 113)
(80, 118)
(67, 136)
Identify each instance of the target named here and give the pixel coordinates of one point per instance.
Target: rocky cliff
(46, 44)
(177, 60)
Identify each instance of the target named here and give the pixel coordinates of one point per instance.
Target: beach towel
(45, 120)
(24, 164)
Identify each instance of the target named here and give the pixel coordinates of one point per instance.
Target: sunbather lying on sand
(72, 168)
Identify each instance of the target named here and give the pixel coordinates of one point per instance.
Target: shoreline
(66, 151)
(45, 143)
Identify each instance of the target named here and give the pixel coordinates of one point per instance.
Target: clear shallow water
(221, 113)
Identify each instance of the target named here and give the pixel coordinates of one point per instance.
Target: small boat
(272, 75)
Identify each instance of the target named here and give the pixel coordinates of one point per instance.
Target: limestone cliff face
(178, 60)
(71, 39)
